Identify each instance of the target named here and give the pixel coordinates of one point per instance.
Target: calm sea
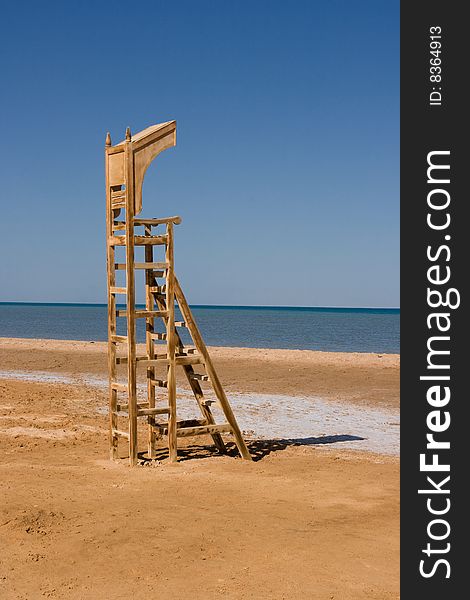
(330, 329)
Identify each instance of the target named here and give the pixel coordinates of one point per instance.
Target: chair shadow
(259, 449)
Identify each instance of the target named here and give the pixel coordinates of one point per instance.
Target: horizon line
(34, 303)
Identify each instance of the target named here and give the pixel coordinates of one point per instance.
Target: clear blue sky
(286, 171)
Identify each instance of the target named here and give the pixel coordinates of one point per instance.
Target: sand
(310, 518)
(359, 378)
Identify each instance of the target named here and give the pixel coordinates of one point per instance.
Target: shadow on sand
(259, 449)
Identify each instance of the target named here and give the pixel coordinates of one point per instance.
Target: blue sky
(286, 171)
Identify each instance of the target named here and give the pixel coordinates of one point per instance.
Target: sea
(304, 328)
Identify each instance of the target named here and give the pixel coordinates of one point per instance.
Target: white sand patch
(303, 420)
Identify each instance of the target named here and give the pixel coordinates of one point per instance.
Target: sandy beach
(316, 515)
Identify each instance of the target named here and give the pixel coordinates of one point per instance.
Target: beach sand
(305, 520)
(359, 378)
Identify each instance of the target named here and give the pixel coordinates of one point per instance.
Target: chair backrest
(141, 149)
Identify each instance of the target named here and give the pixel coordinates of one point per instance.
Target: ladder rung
(117, 433)
(119, 226)
(158, 336)
(143, 314)
(118, 194)
(122, 360)
(157, 289)
(189, 360)
(125, 406)
(180, 324)
(150, 266)
(139, 240)
(199, 377)
(158, 383)
(181, 423)
(122, 267)
(118, 203)
(177, 355)
(118, 338)
(117, 290)
(203, 429)
(179, 360)
(148, 412)
(119, 387)
(150, 240)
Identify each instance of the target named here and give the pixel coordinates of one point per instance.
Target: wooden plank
(151, 412)
(118, 195)
(118, 204)
(116, 168)
(181, 423)
(158, 336)
(180, 324)
(123, 406)
(156, 266)
(171, 345)
(117, 433)
(154, 240)
(139, 240)
(119, 387)
(161, 357)
(130, 301)
(154, 222)
(123, 360)
(149, 346)
(189, 360)
(111, 281)
(117, 290)
(143, 314)
(118, 339)
(204, 429)
(147, 266)
(217, 386)
(179, 360)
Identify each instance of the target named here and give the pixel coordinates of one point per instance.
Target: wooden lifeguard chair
(126, 164)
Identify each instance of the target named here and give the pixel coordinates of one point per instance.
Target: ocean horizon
(334, 329)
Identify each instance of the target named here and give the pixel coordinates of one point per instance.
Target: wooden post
(149, 345)
(130, 299)
(171, 344)
(111, 276)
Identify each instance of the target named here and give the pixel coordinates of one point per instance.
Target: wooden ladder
(162, 291)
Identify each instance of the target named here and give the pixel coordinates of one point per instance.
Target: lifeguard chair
(126, 164)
